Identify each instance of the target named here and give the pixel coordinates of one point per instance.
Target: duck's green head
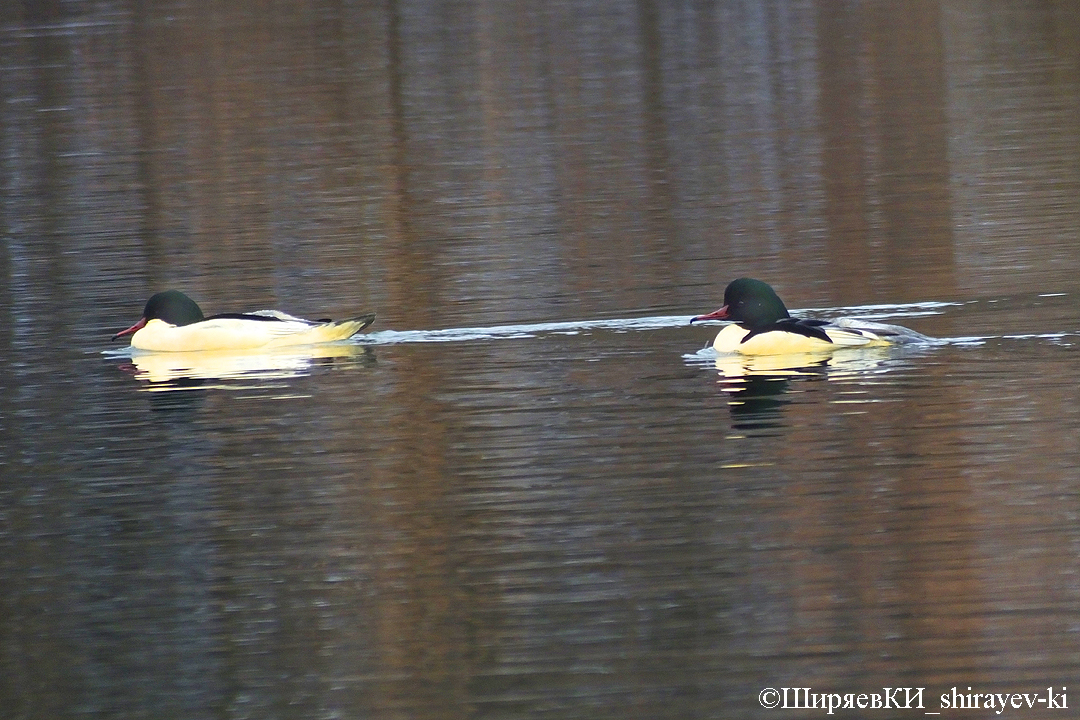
(751, 303)
(174, 307)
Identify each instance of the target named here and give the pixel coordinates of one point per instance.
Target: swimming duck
(173, 322)
(763, 326)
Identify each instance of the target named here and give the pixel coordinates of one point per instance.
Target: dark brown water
(527, 493)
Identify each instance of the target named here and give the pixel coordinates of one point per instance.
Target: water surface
(528, 490)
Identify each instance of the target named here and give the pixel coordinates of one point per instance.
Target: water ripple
(659, 322)
(504, 332)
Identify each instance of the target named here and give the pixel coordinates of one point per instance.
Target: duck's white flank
(779, 342)
(240, 334)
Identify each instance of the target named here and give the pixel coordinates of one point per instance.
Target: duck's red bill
(134, 328)
(721, 314)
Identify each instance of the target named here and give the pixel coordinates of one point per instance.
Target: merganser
(173, 322)
(763, 326)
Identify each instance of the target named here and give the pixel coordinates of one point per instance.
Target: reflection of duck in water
(177, 371)
(173, 322)
(757, 386)
(757, 402)
(763, 326)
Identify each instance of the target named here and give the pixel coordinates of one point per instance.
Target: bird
(173, 322)
(763, 326)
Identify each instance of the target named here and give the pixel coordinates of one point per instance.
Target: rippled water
(531, 489)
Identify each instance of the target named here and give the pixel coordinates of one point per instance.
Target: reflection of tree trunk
(655, 113)
(914, 173)
(397, 161)
(886, 180)
(148, 141)
(847, 180)
(885, 164)
(421, 603)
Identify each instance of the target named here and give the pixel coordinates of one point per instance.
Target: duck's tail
(887, 334)
(325, 332)
(345, 329)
